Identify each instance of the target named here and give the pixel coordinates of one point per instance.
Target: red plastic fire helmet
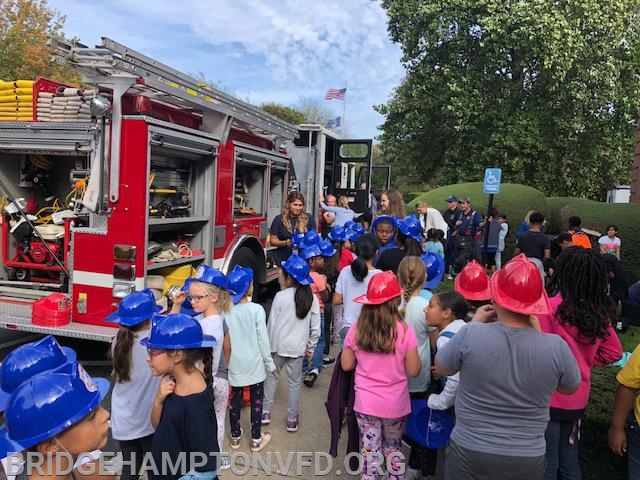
(382, 287)
(473, 282)
(518, 287)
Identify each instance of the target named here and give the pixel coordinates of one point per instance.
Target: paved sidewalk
(313, 436)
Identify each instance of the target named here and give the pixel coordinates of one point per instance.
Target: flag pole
(344, 109)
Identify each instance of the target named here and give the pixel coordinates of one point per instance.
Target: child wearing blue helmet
(320, 288)
(250, 357)
(135, 387)
(294, 329)
(211, 303)
(24, 363)
(182, 411)
(57, 416)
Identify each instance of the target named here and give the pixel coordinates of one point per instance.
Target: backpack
(581, 239)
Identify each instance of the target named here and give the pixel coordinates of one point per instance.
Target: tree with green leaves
(285, 113)
(25, 26)
(545, 90)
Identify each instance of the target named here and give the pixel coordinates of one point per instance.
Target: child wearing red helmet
(473, 284)
(381, 337)
(508, 372)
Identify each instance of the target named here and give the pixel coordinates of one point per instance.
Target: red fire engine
(168, 173)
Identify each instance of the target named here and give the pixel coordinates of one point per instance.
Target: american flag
(337, 93)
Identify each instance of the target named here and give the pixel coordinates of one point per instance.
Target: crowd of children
(490, 379)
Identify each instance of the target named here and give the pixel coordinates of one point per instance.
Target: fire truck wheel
(11, 273)
(246, 258)
(22, 274)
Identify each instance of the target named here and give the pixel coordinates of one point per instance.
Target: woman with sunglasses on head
(293, 219)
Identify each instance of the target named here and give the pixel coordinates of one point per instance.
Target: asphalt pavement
(302, 454)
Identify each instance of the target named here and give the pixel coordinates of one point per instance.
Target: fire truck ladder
(123, 70)
(166, 83)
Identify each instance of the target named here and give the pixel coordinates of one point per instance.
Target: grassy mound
(513, 200)
(596, 216)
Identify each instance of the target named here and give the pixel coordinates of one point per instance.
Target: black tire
(11, 273)
(246, 258)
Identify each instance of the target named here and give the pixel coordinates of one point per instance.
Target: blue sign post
(492, 177)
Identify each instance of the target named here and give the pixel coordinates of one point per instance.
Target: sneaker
(292, 424)
(235, 442)
(449, 277)
(225, 463)
(329, 360)
(257, 445)
(266, 417)
(310, 379)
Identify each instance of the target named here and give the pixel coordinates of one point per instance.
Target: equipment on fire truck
(175, 200)
(156, 120)
(52, 311)
(16, 101)
(38, 247)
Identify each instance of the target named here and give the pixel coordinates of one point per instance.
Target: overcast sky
(271, 51)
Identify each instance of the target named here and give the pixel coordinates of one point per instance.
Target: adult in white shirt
(430, 218)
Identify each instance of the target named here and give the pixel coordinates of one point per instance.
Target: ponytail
(303, 296)
(412, 274)
(193, 356)
(304, 299)
(207, 359)
(359, 269)
(366, 249)
(121, 354)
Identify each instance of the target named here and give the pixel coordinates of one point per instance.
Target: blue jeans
(318, 353)
(562, 439)
(633, 447)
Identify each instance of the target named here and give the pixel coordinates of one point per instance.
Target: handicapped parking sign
(492, 178)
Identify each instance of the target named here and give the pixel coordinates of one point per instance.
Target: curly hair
(580, 277)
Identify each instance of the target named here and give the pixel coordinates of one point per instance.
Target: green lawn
(597, 461)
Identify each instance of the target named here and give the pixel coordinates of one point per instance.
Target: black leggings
(256, 395)
(134, 451)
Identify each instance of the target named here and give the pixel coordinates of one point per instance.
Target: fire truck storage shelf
(175, 164)
(175, 263)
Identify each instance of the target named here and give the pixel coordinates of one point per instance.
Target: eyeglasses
(196, 298)
(154, 352)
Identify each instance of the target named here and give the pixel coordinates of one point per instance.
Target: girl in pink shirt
(381, 338)
(582, 314)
